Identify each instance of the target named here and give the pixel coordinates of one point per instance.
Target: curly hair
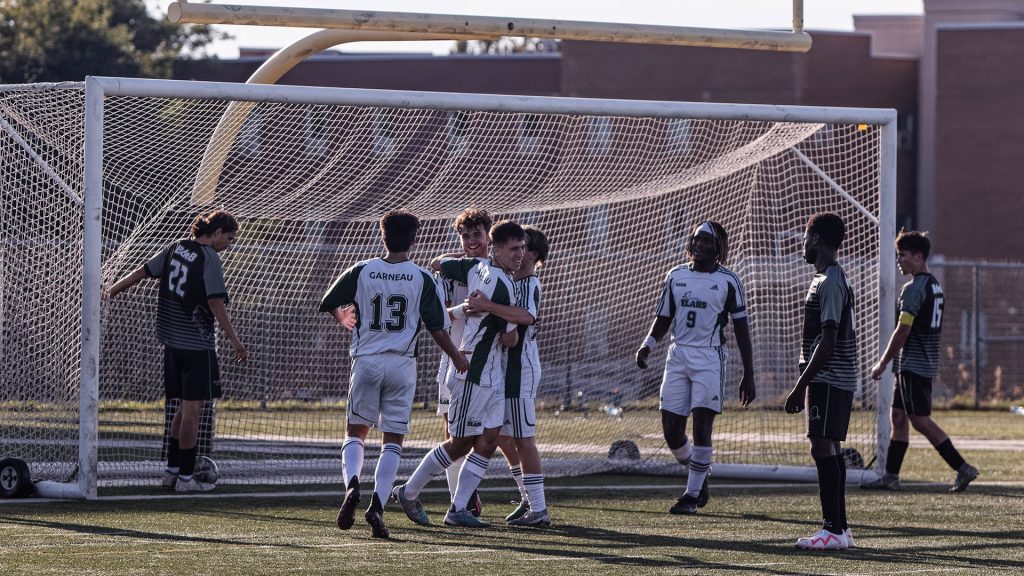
(206, 224)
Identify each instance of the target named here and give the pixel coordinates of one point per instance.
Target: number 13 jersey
(700, 304)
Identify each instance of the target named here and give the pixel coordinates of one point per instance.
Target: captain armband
(906, 318)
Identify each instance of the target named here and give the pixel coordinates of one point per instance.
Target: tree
(57, 40)
(505, 45)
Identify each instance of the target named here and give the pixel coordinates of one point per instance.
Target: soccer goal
(99, 176)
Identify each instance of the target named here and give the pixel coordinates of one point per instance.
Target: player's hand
(877, 370)
(348, 317)
(795, 401)
(461, 364)
(641, 356)
(477, 304)
(748, 391)
(240, 354)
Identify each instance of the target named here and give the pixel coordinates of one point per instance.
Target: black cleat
(347, 512)
(685, 505)
(476, 505)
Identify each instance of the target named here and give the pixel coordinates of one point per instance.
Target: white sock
(682, 453)
(535, 487)
(433, 464)
(700, 466)
(473, 471)
(387, 469)
(351, 458)
(453, 476)
(517, 475)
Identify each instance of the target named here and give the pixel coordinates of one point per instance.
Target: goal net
(617, 187)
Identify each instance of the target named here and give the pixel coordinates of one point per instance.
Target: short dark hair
(471, 217)
(829, 227)
(506, 230)
(721, 240)
(536, 242)
(914, 241)
(398, 228)
(209, 223)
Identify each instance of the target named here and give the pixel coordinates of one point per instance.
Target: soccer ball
(853, 459)
(206, 470)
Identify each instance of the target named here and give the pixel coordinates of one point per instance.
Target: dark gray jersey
(190, 274)
(921, 298)
(829, 302)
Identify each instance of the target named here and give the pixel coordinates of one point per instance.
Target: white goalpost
(102, 174)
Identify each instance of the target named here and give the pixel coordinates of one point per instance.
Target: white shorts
(445, 374)
(694, 378)
(474, 408)
(381, 391)
(520, 418)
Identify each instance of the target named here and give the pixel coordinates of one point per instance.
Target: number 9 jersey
(700, 304)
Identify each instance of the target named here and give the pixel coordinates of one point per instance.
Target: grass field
(601, 525)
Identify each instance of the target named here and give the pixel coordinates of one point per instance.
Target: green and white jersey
(391, 301)
(922, 299)
(829, 302)
(522, 369)
(700, 304)
(455, 293)
(481, 335)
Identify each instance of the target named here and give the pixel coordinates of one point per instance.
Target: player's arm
(748, 390)
(435, 264)
(346, 316)
(896, 343)
(343, 292)
(479, 303)
(220, 312)
(658, 329)
(446, 344)
(127, 282)
(820, 356)
(510, 338)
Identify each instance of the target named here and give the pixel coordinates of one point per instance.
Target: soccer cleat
(521, 509)
(347, 512)
(169, 479)
(823, 540)
(533, 518)
(964, 476)
(476, 505)
(704, 495)
(884, 482)
(193, 485)
(849, 537)
(411, 506)
(463, 518)
(685, 505)
(376, 521)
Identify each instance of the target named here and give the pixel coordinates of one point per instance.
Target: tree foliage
(57, 40)
(505, 45)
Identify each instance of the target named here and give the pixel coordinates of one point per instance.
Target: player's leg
(675, 405)
(524, 429)
(491, 416)
(828, 419)
(198, 375)
(921, 420)
(706, 367)
(172, 391)
(900, 440)
(443, 407)
(700, 463)
(508, 447)
(363, 411)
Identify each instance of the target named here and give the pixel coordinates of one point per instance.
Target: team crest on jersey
(689, 301)
(812, 413)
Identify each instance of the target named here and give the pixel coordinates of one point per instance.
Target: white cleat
(823, 540)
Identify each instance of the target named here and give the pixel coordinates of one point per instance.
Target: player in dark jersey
(192, 295)
(828, 376)
(915, 347)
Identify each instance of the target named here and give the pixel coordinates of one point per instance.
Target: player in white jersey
(698, 299)
(477, 408)
(472, 225)
(522, 379)
(391, 296)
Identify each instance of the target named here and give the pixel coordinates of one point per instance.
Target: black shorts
(191, 374)
(913, 394)
(828, 411)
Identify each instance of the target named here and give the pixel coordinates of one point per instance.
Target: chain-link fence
(982, 358)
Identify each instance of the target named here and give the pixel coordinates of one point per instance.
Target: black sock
(894, 459)
(828, 491)
(950, 455)
(843, 525)
(173, 453)
(188, 461)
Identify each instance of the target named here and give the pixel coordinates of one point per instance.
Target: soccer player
(828, 376)
(522, 379)
(478, 408)
(698, 299)
(192, 295)
(472, 225)
(391, 297)
(915, 346)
